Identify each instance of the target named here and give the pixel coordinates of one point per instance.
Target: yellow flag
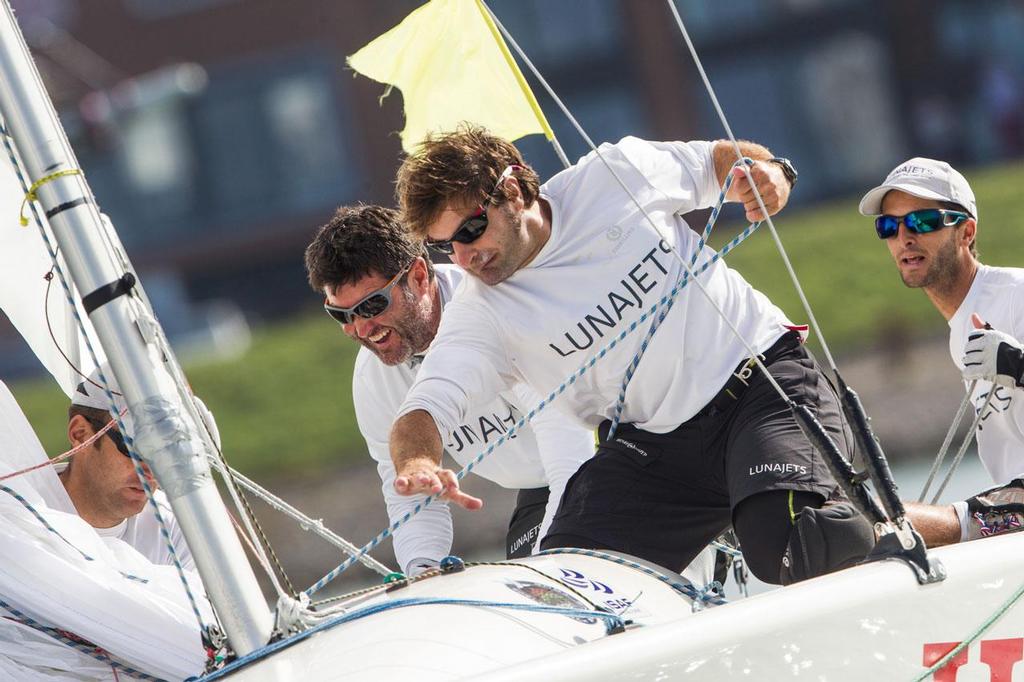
(452, 65)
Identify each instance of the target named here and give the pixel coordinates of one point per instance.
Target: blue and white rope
(46, 524)
(93, 651)
(368, 547)
(136, 460)
(612, 622)
(620, 405)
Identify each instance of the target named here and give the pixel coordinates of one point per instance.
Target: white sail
(24, 263)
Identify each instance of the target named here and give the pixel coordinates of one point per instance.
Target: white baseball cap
(926, 179)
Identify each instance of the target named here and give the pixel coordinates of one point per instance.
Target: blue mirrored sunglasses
(371, 305)
(918, 222)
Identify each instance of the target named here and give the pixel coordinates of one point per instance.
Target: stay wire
(963, 446)
(948, 440)
(757, 194)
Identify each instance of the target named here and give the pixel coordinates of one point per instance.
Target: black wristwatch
(787, 169)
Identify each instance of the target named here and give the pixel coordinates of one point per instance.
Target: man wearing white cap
(927, 215)
(103, 485)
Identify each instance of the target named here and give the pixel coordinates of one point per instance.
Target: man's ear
(514, 191)
(970, 231)
(79, 430)
(418, 275)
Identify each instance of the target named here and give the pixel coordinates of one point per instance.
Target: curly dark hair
(458, 169)
(358, 241)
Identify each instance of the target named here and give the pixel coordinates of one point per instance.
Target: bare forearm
(414, 437)
(724, 155)
(416, 453)
(938, 525)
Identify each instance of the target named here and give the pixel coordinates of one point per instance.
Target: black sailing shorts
(664, 497)
(524, 526)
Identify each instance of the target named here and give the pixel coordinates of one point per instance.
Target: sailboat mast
(164, 434)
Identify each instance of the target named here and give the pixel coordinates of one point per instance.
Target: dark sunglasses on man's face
(115, 436)
(472, 227)
(371, 305)
(469, 231)
(918, 222)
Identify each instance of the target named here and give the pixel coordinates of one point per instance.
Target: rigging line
(580, 371)
(963, 446)
(252, 526)
(675, 252)
(145, 312)
(77, 643)
(315, 526)
(757, 194)
(631, 369)
(613, 624)
(136, 460)
(948, 440)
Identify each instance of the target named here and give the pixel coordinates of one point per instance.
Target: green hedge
(286, 407)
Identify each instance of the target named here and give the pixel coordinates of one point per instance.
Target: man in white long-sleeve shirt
(387, 295)
(559, 270)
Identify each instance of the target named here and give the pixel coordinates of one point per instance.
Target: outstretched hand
(423, 477)
(770, 181)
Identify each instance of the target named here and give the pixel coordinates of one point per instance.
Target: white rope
(948, 440)
(315, 526)
(963, 446)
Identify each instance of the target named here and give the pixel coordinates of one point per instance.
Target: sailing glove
(994, 356)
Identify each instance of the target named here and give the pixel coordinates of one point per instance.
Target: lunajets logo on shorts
(777, 468)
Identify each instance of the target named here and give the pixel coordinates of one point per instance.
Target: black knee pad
(824, 540)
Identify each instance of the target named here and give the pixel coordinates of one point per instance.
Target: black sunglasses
(472, 227)
(371, 305)
(113, 433)
(919, 222)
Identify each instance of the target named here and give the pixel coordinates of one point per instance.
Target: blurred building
(219, 134)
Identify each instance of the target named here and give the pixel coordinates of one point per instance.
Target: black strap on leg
(108, 292)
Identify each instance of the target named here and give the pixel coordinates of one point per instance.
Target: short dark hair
(953, 206)
(458, 168)
(358, 241)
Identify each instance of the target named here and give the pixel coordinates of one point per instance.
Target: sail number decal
(999, 655)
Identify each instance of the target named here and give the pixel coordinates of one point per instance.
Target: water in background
(970, 479)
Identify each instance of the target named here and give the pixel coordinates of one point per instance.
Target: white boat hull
(872, 622)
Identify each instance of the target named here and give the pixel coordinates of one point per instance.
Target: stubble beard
(942, 271)
(512, 249)
(415, 330)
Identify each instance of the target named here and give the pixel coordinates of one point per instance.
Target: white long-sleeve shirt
(997, 294)
(142, 531)
(547, 452)
(601, 268)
